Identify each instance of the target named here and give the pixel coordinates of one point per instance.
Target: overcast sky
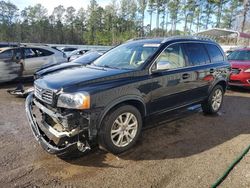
(51, 4)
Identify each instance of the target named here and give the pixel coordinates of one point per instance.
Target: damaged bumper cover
(52, 140)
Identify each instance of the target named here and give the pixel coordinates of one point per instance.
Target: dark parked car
(106, 102)
(85, 59)
(68, 50)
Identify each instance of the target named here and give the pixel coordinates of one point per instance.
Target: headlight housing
(247, 70)
(74, 100)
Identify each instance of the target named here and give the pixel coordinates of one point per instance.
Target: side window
(8, 54)
(42, 52)
(29, 53)
(214, 53)
(196, 53)
(171, 58)
(18, 54)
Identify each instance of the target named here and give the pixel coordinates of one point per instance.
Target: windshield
(242, 55)
(127, 56)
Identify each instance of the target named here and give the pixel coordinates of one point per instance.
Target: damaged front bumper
(52, 140)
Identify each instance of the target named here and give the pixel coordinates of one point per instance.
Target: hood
(239, 64)
(68, 78)
(55, 68)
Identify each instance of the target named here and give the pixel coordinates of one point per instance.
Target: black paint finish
(151, 92)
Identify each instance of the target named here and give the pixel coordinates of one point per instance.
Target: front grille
(45, 95)
(235, 71)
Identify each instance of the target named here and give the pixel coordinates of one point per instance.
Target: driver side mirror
(163, 65)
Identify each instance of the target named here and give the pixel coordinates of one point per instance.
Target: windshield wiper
(105, 66)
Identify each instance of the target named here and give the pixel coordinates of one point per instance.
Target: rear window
(214, 53)
(69, 49)
(196, 53)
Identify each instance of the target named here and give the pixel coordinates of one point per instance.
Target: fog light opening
(83, 146)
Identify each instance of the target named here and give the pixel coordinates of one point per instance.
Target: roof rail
(173, 37)
(140, 38)
(134, 39)
(186, 37)
(33, 44)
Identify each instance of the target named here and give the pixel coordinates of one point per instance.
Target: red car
(240, 64)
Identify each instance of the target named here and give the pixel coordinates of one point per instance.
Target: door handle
(211, 71)
(185, 76)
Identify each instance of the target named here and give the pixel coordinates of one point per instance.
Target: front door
(9, 68)
(170, 80)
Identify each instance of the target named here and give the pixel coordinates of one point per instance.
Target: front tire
(120, 129)
(214, 102)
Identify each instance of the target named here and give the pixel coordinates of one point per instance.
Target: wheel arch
(221, 82)
(135, 101)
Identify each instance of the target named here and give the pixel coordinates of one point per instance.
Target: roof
(217, 32)
(186, 37)
(152, 40)
(167, 39)
(5, 48)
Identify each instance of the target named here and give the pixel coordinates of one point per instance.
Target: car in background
(33, 58)
(8, 44)
(68, 50)
(85, 59)
(240, 65)
(76, 53)
(228, 52)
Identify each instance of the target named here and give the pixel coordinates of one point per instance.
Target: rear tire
(214, 102)
(120, 129)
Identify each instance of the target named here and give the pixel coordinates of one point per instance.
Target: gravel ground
(186, 150)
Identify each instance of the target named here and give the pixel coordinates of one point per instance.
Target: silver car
(33, 58)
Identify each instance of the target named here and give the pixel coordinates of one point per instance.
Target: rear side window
(214, 53)
(42, 52)
(36, 52)
(29, 53)
(196, 53)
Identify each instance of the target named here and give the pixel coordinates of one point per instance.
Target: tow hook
(83, 146)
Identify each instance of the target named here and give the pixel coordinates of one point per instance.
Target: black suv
(105, 102)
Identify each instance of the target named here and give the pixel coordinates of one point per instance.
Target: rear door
(200, 70)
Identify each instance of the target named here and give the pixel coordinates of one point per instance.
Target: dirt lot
(190, 151)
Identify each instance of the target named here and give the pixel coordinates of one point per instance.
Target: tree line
(119, 21)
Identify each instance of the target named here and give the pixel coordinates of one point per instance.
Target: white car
(33, 58)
